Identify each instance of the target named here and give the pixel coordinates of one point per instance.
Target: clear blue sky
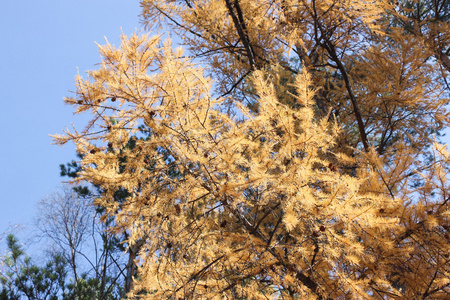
(42, 44)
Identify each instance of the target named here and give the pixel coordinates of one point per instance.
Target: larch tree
(428, 21)
(290, 154)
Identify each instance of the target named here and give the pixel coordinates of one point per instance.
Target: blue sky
(42, 44)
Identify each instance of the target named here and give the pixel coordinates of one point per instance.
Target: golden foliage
(322, 186)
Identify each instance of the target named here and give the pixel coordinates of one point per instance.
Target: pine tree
(24, 279)
(297, 162)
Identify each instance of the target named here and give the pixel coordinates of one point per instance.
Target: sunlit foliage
(296, 161)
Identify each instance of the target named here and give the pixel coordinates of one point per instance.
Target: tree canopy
(290, 151)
